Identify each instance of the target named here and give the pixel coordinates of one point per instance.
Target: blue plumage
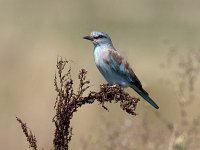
(114, 68)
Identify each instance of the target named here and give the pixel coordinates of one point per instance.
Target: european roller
(114, 68)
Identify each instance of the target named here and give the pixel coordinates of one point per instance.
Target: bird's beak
(88, 38)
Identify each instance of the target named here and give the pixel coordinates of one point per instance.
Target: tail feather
(144, 94)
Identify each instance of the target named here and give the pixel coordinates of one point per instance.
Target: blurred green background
(34, 33)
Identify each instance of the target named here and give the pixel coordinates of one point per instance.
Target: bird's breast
(100, 55)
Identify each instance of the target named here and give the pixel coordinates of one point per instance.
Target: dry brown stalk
(68, 101)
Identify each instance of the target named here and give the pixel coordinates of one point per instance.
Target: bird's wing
(122, 67)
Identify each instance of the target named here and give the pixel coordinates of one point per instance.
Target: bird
(114, 67)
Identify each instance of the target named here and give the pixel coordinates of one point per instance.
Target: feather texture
(114, 68)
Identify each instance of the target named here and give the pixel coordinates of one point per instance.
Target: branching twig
(29, 135)
(68, 101)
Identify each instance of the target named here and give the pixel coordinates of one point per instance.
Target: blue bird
(114, 68)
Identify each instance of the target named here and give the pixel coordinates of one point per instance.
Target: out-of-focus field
(34, 33)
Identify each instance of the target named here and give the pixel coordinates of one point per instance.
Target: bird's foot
(114, 85)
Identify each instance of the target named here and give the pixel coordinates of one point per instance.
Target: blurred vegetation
(35, 33)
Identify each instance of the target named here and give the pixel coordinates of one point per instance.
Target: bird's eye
(99, 37)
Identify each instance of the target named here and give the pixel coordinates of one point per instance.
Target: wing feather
(122, 67)
(119, 64)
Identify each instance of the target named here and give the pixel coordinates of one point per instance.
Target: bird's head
(99, 38)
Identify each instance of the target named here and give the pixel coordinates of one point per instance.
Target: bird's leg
(115, 85)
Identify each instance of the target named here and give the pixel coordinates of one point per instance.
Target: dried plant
(29, 135)
(184, 66)
(68, 101)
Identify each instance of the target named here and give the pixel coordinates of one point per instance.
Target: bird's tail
(145, 95)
